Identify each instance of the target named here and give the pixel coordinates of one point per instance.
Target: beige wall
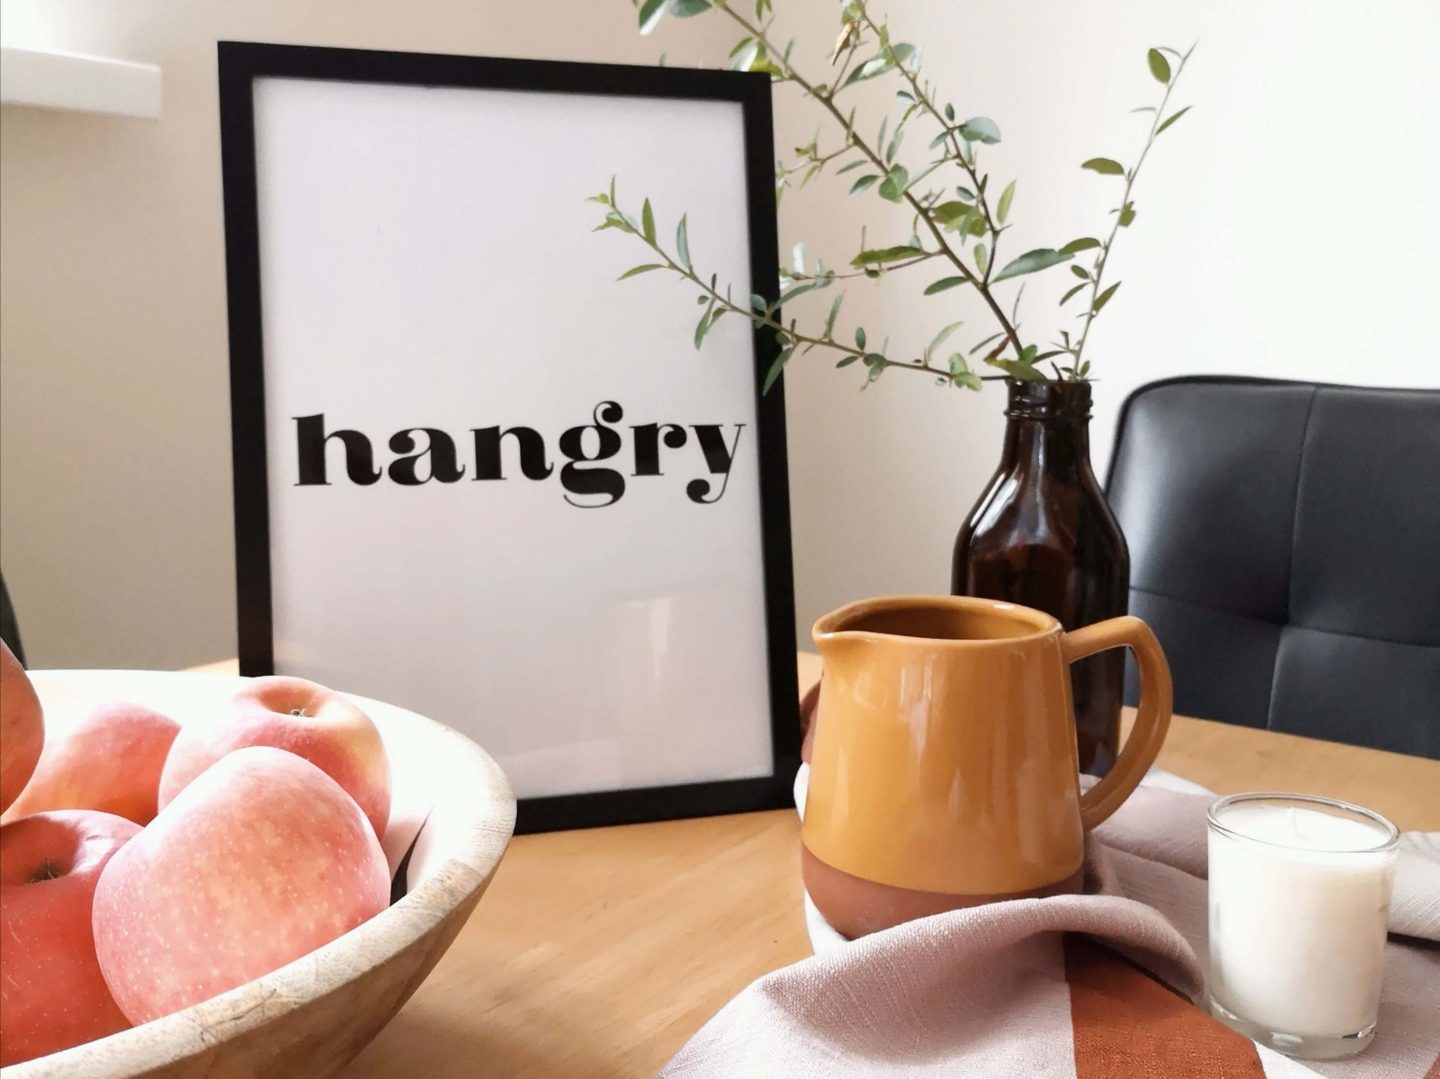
(1286, 227)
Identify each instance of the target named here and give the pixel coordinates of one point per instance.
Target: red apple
(110, 762)
(52, 995)
(292, 714)
(260, 861)
(22, 727)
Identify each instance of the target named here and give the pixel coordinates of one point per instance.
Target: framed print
(476, 477)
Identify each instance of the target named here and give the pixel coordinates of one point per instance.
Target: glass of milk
(1299, 897)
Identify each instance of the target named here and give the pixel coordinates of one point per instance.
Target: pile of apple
(145, 867)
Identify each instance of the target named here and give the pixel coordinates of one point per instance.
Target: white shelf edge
(46, 79)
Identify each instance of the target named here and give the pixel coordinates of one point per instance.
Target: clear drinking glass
(1299, 898)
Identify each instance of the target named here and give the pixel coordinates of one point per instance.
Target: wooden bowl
(452, 811)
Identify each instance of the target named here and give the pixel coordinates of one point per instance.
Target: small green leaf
(1080, 272)
(1105, 166)
(1021, 372)
(940, 337)
(863, 183)
(1003, 211)
(1068, 295)
(1082, 244)
(1172, 118)
(894, 185)
(685, 9)
(885, 254)
(651, 12)
(847, 361)
(859, 337)
(950, 113)
(745, 57)
(798, 290)
(1159, 66)
(982, 257)
(894, 147)
(951, 214)
(1127, 215)
(636, 271)
(702, 327)
(968, 380)
(903, 54)
(682, 242)
(834, 311)
(859, 162)
(758, 302)
(775, 369)
(647, 218)
(1032, 262)
(876, 65)
(740, 45)
(1104, 297)
(957, 363)
(943, 284)
(981, 344)
(980, 129)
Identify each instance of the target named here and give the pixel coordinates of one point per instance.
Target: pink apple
(111, 762)
(52, 995)
(22, 727)
(292, 714)
(258, 862)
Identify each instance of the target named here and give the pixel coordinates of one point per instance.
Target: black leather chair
(9, 628)
(1285, 547)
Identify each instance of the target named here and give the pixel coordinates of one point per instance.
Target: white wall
(1286, 227)
(115, 504)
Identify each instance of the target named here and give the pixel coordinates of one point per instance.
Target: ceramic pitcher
(943, 767)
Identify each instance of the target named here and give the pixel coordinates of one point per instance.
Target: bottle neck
(1047, 430)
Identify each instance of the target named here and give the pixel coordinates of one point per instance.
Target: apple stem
(46, 870)
(297, 712)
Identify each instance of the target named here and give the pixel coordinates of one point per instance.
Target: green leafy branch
(766, 315)
(1159, 66)
(949, 219)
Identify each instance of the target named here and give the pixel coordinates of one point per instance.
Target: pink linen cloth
(1076, 987)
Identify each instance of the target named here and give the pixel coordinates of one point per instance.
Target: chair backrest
(9, 627)
(1285, 547)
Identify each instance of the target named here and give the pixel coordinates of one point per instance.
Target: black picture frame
(240, 64)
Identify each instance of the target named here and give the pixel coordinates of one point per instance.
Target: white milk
(1297, 918)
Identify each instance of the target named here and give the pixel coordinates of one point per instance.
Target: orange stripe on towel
(1130, 1026)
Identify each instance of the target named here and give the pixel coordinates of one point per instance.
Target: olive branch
(960, 226)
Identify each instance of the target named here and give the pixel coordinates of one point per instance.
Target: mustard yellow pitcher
(943, 767)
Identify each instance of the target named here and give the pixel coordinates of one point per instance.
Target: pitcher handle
(1152, 719)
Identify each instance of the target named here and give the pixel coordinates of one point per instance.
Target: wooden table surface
(599, 952)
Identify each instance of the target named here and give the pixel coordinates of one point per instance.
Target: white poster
(502, 489)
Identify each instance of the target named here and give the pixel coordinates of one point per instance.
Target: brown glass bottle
(1042, 535)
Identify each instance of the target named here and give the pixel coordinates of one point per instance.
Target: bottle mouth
(1049, 401)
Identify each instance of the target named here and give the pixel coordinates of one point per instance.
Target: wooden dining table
(599, 952)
